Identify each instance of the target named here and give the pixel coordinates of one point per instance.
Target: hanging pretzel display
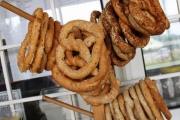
(82, 54)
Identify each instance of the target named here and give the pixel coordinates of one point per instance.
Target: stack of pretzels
(141, 101)
(128, 24)
(37, 51)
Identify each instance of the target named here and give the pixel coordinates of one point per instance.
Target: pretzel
(108, 112)
(118, 8)
(65, 42)
(23, 47)
(137, 104)
(89, 83)
(115, 31)
(40, 47)
(138, 40)
(33, 43)
(49, 36)
(43, 63)
(122, 107)
(158, 98)
(135, 8)
(105, 98)
(118, 113)
(51, 57)
(144, 103)
(129, 104)
(150, 100)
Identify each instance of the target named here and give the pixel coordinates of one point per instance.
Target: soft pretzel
(105, 98)
(23, 47)
(49, 36)
(150, 100)
(118, 7)
(138, 40)
(158, 98)
(40, 47)
(137, 104)
(154, 28)
(129, 104)
(144, 103)
(92, 28)
(89, 83)
(122, 107)
(51, 59)
(118, 114)
(108, 112)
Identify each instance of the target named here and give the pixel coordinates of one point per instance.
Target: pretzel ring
(137, 104)
(129, 104)
(143, 102)
(118, 114)
(108, 112)
(23, 47)
(115, 59)
(143, 20)
(138, 40)
(49, 36)
(158, 98)
(118, 8)
(122, 107)
(51, 60)
(88, 84)
(92, 28)
(105, 98)
(150, 100)
(40, 47)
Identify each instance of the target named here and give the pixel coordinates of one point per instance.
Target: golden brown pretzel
(115, 59)
(138, 40)
(144, 103)
(65, 42)
(89, 83)
(49, 36)
(150, 100)
(105, 98)
(43, 63)
(23, 47)
(108, 112)
(135, 7)
(118, 8)
(40, 47)
(118, 114)
(33, 43)
(122, 107)
(137, 104)
(129, 104)
(115, 31)
(51, 60)
(158, 98)
(30, 40)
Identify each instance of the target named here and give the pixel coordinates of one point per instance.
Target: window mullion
(6, 75)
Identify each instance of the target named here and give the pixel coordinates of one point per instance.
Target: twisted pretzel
(92, 28)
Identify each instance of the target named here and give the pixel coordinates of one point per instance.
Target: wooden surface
(98, 112)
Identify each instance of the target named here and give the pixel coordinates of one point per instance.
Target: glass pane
(75, 9)
(13, 27)
(170, 90)
(8, 111)
(167, 7)
(163, 51)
